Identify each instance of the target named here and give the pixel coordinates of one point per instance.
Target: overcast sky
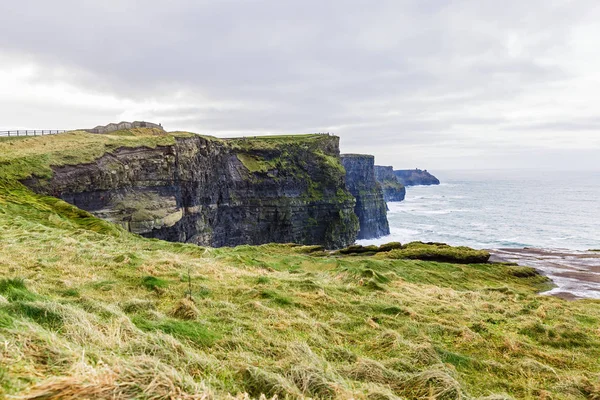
(436, 84)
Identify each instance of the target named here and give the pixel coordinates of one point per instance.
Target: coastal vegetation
(89, 310)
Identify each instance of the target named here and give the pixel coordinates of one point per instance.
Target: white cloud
(441, 84)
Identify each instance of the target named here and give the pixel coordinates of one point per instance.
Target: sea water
(500, 209)
(552, 217)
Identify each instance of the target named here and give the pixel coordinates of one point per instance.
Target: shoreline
(575, 273)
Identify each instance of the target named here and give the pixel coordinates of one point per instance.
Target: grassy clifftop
(21, 157)
(88, 310)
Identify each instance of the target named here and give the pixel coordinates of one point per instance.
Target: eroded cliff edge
(415, 177)
(217, 192)
(393, 190)
(371, 208)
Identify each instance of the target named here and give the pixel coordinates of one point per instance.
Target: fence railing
(31, 132)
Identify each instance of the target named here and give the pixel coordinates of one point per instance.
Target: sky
(435, 84)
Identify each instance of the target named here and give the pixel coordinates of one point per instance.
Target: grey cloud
(400, 73)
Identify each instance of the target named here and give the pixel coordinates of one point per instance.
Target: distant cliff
(112, 127)
(414, 177)
(370, 203)
(393, 190)
(216, 192)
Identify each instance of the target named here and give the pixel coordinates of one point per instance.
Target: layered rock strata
(370, 206)
(393, 190)
(217, 192)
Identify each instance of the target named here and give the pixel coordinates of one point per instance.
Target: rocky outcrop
(122, 126)
(415, 177)
(370, 207)
(216, 192)
(393, 190)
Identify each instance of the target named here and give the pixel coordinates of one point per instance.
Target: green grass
(15, 289)
(439, 252)
(20, 158)
(187, 331)
(153, 283)
(88, 310)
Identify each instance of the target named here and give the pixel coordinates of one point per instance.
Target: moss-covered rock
(439, 252)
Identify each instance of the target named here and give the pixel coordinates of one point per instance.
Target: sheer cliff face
(393, 190)
(370, 204)
(218, 192)
(414, 177)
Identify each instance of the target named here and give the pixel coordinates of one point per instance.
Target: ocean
(545, 220)
(501, 209)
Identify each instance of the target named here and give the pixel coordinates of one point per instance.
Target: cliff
(370, 203)
(112, 127)
(216, 192)
(393, 190)
(414, 177)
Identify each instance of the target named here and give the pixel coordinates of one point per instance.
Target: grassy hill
(88, 310)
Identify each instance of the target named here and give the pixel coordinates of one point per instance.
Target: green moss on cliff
(255, 164)
(297, 157)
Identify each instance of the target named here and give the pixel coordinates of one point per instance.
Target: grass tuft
(192, 332)
(439, 252)
(276, 297)
(154, 283)
(14, 289)
(185, 309)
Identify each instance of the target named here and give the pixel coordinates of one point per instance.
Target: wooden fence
(31, 132)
